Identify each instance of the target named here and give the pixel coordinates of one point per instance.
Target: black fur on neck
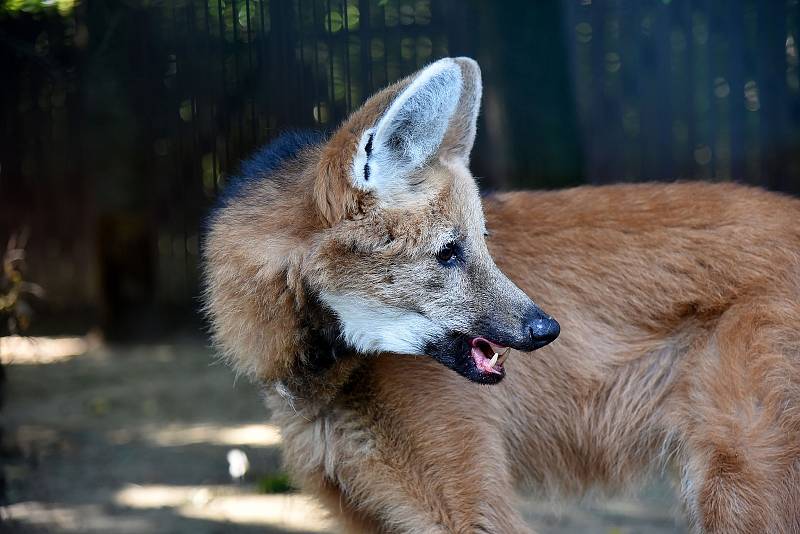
(324, 346)
(327, 364)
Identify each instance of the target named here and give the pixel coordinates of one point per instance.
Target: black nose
(541, 328)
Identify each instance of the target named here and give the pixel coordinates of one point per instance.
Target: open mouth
(475, 358)
(488, 357)
(482, 358)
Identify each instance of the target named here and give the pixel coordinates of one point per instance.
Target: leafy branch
(15, 291)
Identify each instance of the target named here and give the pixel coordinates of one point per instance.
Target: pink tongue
(482, 362)
(493, 346)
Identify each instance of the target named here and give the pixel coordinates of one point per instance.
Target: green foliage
(15, 291)
(275, 483)
(62, 7)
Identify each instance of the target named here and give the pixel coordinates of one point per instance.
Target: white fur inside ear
(410, 131)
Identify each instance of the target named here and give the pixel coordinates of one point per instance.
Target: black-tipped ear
(460, 136)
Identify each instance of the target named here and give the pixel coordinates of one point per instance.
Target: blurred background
(121, 119)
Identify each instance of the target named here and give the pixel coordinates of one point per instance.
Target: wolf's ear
(410, 131)
(460, 136)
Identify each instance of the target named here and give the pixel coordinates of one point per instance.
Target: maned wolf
(679, 308)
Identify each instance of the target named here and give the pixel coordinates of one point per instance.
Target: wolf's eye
(447, 255)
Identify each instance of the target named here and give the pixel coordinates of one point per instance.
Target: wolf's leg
(390, 493)
(741, 417)
(349, 519)
(417, 495)
(415, 453)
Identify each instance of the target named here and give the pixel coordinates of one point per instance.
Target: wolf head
(372, 241)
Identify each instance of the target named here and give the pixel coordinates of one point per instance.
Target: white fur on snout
(370, 326)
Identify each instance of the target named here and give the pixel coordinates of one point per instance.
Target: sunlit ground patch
(226, 504)
(42, 350)
(295, 512)
(49, 517)
(254, 435)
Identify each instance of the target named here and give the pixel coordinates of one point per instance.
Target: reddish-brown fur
(680, 345)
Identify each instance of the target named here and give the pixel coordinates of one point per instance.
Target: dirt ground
(137, 439)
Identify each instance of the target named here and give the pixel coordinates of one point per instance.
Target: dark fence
(701, 89)
(120, 120)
